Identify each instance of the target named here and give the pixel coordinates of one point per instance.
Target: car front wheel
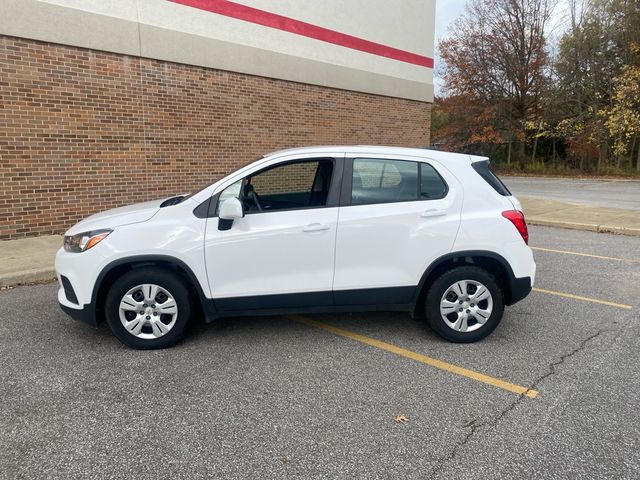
(148, 308)
(464, 305)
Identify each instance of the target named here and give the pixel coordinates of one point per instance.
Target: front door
(281, 254)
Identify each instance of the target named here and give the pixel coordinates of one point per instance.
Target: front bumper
(77, 276)
(85, 315)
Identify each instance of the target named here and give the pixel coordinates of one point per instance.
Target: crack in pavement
(475, 426)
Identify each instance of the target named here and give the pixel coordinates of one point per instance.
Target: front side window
(390, 181)
(289, 186)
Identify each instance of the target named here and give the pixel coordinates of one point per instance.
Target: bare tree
(496, 54)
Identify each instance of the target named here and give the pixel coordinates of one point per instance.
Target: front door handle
(433, 212)
(316, 227)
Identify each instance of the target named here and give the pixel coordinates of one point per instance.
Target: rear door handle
(316, 227)
(433, 212)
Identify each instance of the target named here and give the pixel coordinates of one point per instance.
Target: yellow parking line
(448, 367)
(601, 257)
(584, 299)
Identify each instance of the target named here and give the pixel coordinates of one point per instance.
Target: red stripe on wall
(280, 22)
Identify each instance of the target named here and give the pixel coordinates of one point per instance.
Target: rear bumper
(520, 288)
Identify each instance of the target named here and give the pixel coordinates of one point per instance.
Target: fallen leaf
(401, 419)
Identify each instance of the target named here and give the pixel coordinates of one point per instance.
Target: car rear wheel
(464, 305)
(148, 308)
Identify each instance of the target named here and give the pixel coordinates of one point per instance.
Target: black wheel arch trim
(208, 308)
(519, 288)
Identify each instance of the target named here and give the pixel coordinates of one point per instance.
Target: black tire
(167, 280)
(441, 286)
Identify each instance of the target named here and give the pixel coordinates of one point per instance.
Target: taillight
(517, 218)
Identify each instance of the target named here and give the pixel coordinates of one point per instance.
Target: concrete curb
(560, 224)
(634, 232)
(591, 227)
(27, 276)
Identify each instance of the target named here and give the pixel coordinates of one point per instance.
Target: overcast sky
(446, 12)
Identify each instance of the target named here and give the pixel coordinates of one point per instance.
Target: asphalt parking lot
(280, 397)
(618, 193)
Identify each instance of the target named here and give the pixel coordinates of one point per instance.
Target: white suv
(322, 229)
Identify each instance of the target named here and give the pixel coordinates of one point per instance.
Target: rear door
(398, 214)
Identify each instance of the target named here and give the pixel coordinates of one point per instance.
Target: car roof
(446, 158)
(379, 150)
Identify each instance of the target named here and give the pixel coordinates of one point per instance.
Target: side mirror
(230, 210)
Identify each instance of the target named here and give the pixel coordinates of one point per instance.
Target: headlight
(84, 241)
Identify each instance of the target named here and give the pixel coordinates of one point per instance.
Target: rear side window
(383, 181)
(491, 178)
(389, 181)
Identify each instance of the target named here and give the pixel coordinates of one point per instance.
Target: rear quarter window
(482, 168)
(432, 186)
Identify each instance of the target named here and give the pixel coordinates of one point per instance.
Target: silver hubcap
(148, 311)
(466, 305)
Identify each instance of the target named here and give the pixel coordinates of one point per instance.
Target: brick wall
(83, 131)
(296, 177)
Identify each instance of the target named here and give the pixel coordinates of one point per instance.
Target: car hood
(116, 217)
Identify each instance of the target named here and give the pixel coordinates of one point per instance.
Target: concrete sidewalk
(31, 259)
(28, 260)
(555, 213)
